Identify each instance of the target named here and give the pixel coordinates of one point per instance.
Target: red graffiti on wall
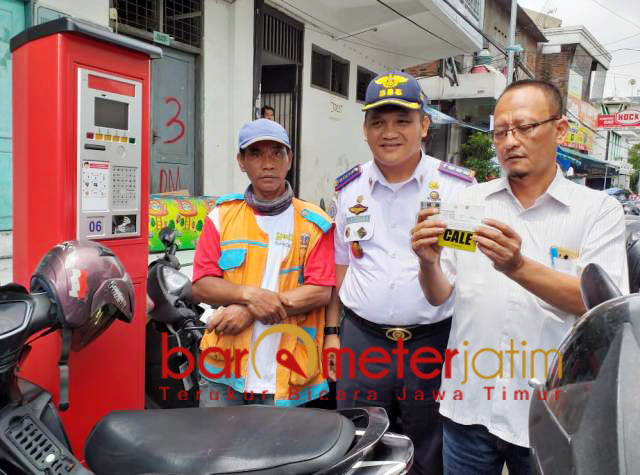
(175, 120)
(166, 181)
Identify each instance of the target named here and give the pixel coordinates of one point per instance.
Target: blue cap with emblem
(394, 88)
(262, 129)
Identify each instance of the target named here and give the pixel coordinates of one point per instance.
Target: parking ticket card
(461, 220)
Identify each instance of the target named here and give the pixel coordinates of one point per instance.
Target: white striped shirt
(491, 310)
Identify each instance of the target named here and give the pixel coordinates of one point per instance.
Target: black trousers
(409, 397)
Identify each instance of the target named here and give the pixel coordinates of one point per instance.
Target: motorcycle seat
(229, 440)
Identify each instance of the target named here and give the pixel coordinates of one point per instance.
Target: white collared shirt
(382, 286)
(492, 310)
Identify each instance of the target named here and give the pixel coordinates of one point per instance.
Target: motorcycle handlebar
(43, 316)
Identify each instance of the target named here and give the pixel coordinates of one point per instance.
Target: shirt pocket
(567, 266)
(232, 259)
(358, 231)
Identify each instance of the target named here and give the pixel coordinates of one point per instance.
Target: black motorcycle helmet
(90, 287)
(585, 419)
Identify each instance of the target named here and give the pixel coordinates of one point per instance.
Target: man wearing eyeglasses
(518, 297)
(266, 258)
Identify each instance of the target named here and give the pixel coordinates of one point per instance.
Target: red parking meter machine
(81, 171)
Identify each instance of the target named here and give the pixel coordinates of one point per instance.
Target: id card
(461, 220)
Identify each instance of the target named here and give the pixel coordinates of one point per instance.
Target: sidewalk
(185, 258)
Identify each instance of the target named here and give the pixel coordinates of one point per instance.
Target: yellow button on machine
(107, 138)
(124, 139)
(99, 136)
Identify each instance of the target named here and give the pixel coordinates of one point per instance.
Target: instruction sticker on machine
(461, 220)
(95, 185)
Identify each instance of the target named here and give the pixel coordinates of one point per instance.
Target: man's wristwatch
(332, 330)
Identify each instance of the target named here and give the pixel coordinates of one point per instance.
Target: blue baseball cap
(262, 129)
(394, 88)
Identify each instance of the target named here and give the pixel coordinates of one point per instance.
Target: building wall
(96, 11)
(543, 21)
(598, 79)
(496, 26)
(554, 67)
(227, 58)
(581, 63)
(530, 54)
(331, 137)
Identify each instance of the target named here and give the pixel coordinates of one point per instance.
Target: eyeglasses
(524, 130)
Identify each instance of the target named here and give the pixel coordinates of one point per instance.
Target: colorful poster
(579, 138)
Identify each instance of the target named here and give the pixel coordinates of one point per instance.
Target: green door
(12, 22)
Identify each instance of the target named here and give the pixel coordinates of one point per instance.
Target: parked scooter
(585, 419)
(175, 318)
(80, 288)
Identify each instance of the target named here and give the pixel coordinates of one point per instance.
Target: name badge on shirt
(359, 226)
(358, 230)
(561, 254)
(432, 200)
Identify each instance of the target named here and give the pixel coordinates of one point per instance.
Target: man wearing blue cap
(377, 272)
(266, 258)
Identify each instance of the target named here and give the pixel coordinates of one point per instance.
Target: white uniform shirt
(492, 311)
(382, 286)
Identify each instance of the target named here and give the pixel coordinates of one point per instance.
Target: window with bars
(183, 20)
(142, 14)
(329, 72)
(364, 78)
(282, 38)
(180, 19)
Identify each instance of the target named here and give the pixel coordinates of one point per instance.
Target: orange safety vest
(243, 259)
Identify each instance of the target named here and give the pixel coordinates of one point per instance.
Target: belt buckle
(398, 333)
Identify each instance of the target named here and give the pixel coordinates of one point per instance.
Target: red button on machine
(90, 135)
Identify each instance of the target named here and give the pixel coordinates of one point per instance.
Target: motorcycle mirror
(596, 286)
(167, 236)
(535, 384)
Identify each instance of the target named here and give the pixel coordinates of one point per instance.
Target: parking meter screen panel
(109, 156)
(111, 114)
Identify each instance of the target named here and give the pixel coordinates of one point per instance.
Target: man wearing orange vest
(266, 258)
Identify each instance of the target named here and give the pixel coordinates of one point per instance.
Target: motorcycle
(175, 318)
(585, 418)
(246, 439)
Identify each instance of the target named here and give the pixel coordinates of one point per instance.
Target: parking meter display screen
(111, 114)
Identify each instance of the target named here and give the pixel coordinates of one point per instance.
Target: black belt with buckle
(406, 332)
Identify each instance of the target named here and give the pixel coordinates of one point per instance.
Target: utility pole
(606, 159)
(512, 48)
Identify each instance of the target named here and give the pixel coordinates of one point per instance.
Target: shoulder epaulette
(229, 197)
(457, 171)
(347, 177)
(317, 217)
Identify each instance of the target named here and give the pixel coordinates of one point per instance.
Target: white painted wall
(228, 91)
(96, 11)
(331, 141)
(331, 136)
